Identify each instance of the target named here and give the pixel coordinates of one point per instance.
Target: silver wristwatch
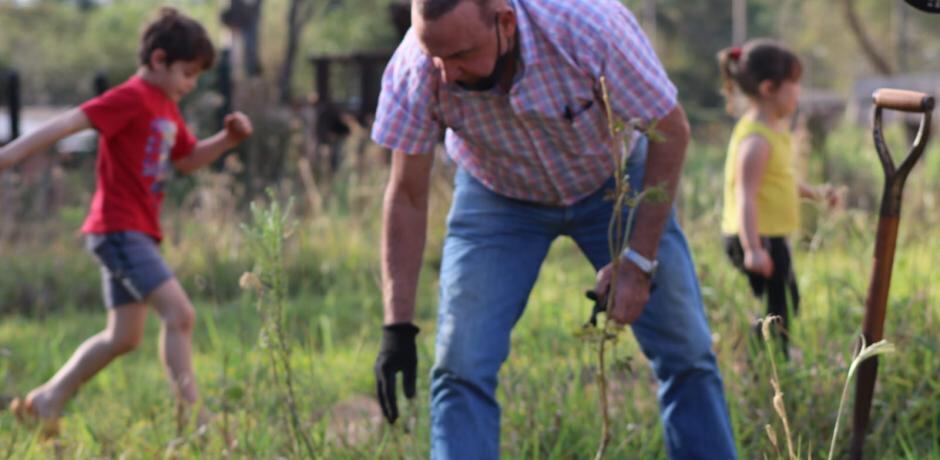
(644, 264)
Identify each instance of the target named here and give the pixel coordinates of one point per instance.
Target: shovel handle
(903, 100)
(906, 101)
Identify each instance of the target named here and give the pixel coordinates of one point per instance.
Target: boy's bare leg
(123, 334)
(177, 318)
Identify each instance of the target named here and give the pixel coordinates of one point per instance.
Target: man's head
(174, 50)
(469, 41)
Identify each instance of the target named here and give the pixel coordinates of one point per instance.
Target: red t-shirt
(141, 133)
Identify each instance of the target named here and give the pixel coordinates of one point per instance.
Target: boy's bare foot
(208, 423)
(205, 422)
(208, 420)
(35, 408)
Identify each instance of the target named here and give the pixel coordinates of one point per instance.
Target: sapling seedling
(621, 135)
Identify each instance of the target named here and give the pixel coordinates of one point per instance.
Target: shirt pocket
(574, 128)
(486, 122)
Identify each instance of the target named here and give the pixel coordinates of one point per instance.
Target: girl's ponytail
(728, 60)
(745, 68)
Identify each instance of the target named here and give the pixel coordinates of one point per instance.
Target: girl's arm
(825, 192)
(59, 127)
(809, 192)
(752, 161)
(237, 128)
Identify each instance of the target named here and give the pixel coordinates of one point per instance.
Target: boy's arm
(62, 126)
(237, 128)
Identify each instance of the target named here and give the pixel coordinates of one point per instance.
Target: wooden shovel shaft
(880, 283)
(876, 304)
(873, 328)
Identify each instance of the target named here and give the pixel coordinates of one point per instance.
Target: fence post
(13, 98)
(369, 90)
(322, 76)
(224, 84)
(100, 83)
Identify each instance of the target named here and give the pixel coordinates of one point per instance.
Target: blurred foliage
(58, 46)
(691, 33)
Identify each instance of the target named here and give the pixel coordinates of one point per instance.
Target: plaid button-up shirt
(546, 141)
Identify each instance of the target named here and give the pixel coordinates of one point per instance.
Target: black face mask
(499, 68)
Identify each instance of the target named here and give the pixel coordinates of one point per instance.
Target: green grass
(546, 388)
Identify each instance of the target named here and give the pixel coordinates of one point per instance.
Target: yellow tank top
(778, 207)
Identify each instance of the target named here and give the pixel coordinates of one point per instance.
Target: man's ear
(507, 22)
(157, 59)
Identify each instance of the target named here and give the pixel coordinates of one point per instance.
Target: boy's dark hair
(758, 60)
(179, 36)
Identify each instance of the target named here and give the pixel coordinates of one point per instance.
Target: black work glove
(600, 306)
(398, 354)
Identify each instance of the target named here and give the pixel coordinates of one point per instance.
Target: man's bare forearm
(404, 232)
(403, 240)
(663, 168)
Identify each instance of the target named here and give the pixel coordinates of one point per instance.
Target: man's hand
(398, 354)
(632, 291)
(237, 127)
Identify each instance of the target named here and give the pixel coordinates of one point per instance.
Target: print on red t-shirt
(141, 134)
(157, 152)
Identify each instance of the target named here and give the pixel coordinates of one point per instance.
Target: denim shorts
(131, 266)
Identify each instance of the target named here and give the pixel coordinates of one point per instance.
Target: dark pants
(774, 289)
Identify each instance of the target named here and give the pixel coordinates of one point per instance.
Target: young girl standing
(761, 191)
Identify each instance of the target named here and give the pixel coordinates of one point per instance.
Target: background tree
(242, 17)
(299, 14)
(865, 42)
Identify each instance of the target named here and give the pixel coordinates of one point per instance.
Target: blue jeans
(492, 255)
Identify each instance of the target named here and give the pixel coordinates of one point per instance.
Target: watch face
(930, 6)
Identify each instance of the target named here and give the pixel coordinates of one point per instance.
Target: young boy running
(143, 140)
